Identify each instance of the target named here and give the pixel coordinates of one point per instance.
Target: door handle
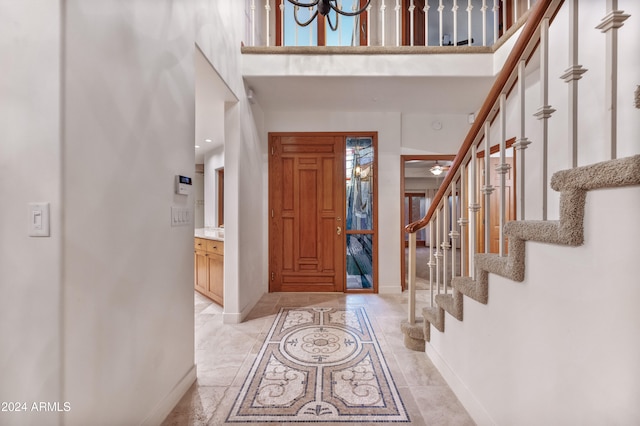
(339, 230)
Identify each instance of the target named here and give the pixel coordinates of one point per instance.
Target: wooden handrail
(522, 45)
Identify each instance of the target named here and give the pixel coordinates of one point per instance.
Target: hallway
(225, 354)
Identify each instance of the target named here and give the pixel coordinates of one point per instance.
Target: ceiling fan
(437, 169)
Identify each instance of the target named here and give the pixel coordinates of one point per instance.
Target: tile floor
(225, 352)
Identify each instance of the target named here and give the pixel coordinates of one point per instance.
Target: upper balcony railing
(384, 23)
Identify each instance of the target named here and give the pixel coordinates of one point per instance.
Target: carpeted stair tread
(435, 316)
(569, 230)
(414, 336)
(451, 303)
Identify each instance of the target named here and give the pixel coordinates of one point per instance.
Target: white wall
(30, 170)
(213, 161)
(563, 346)
(219, 33)
(129, 129)
(198, 194)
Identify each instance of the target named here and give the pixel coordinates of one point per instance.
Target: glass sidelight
(360, 214)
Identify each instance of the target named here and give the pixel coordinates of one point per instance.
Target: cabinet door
(216, 278)
(201, 273)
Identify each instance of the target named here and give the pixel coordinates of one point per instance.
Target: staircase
(569, 135)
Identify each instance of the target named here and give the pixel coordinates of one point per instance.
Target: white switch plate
(38, 220)
(180, 216)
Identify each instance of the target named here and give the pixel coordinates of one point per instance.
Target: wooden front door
(306, 203)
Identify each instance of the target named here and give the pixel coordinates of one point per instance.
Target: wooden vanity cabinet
(209, 269)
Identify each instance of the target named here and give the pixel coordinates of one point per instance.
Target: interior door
(307, 205)
(494, 204)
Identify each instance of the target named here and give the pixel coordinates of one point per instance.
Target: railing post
(454, 234)
(369, 25)
(503, 168)
(383, 7)
(469, 34)
(253, 23)
(412, 277)
(571, 76)
(425, 9)
(281, 7)
(445, 241)
(267, 8)
(545, 111)
(487, 189)
(463, 221)
(398, 22)
(474, 208)
(483, 9)
(438, 254)
(496, 10)
(522, 143)
(431, 263)
(412, 7)
(454, 9)
(609, 25)
(440, 9)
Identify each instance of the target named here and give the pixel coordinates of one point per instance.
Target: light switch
(39, 220)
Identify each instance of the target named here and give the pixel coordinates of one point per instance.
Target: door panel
(307, 201)
(494, 204)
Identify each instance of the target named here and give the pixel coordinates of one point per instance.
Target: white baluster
(398, 23)
(474, 208)
(487, 189)
(267, 9)
(295, 10)
(383, 7)
(253, 23)
(440, 9)
(503, 168)
(412, 277)
(454, 9)
(311, 29)
(445, 241)
(609, 25)
(369, 25)
(515, 11)
(522, 143)
(425, 9)
(339, 3)
(463, 221)
(545, 111)
(431, 263)
(411, 22)
(438, 254)
(281, 22)
(571, 76)
(469, 9)
(454, 234)
(496, 10)
(483, 9)
(355, 37)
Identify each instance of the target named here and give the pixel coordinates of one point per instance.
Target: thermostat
(183, 185)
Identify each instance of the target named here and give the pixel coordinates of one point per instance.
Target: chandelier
(324, 7)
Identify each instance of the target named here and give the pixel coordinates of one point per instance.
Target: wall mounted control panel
(183, 185)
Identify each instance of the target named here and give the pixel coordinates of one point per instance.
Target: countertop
(216, 234)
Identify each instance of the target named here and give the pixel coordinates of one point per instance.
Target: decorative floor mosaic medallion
(319, 365)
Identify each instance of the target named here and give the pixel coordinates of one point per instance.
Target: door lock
(339, 230)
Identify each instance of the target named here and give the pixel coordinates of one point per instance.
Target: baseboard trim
(162, 410)
(475, 409)
(389, 289)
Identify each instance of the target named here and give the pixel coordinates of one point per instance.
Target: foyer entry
(322, 212)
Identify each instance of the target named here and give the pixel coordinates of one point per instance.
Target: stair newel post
(469, 9)
(483, 9)
(431, 264)
(503, 168)
(464, 219)
(545, 111)
(412, 277)
(522, 143)
(487, 189)
(454, 234)
(445, 239)
(609, 25)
